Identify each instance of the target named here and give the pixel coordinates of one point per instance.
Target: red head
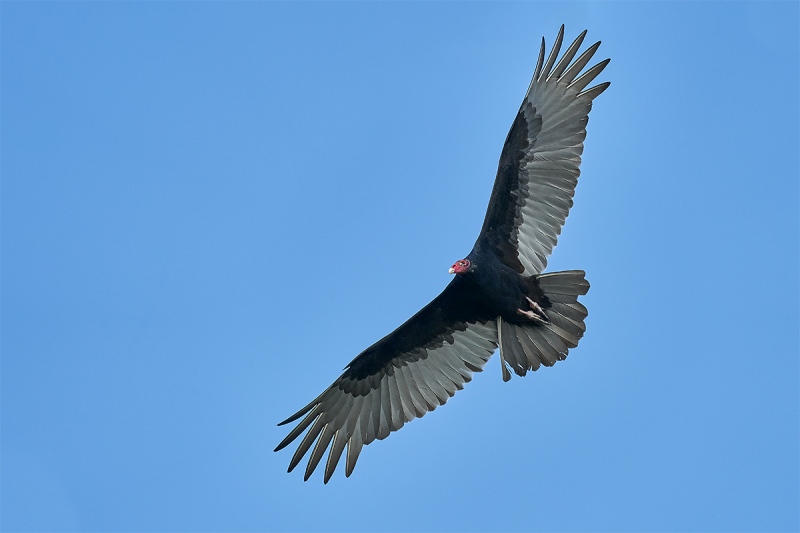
(461, 267)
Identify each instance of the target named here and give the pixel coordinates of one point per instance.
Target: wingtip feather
(539, 63)
(562, 65)
(573, 70)
(595, 91)
(587, 77)
(551, 59)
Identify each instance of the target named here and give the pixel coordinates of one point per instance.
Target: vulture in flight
(498, 298)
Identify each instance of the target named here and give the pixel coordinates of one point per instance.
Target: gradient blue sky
(208, 209)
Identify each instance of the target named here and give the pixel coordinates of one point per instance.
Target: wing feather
(455, 378)
(579, 63)
(373, 416)
(385, 410)
(354, 446)
(339, 442)
(436, 384)
(595, 91)
(396, 404)
(424, 392)
(420, 406)
(587, 77)
(568, 55)
(553, 53)
(441, 376)
(305, 444)
(319, 449)
(410, 412)
(300, 427)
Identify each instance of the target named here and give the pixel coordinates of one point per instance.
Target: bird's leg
(536, 313)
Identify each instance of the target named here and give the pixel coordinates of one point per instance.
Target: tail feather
(526, 347)
(530, 349)
(574, 312)
(546, 353)
(511, 351)
(576, 329)
(566, 283)
(570, 339)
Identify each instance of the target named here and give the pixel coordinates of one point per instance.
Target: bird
(499, 296)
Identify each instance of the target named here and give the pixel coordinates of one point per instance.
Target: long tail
(527, 347)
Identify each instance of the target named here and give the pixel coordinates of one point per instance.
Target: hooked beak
(451, 270)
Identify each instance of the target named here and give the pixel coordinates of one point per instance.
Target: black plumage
(498, 298)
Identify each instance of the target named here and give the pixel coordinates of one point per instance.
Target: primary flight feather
(498, 297)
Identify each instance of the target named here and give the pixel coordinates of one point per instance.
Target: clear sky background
(208, 209)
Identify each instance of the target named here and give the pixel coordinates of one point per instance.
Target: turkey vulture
(498, 297)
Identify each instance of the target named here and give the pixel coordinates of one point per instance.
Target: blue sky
(208, 209)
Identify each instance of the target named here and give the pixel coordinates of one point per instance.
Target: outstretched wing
(539, 165)
(411, 371)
